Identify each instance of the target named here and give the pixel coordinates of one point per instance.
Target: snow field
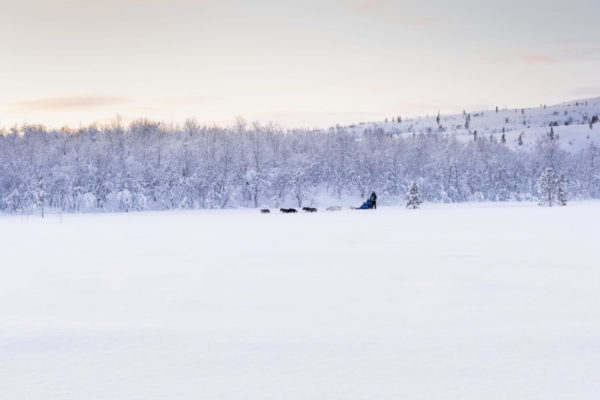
(464, 301)
(529, 123)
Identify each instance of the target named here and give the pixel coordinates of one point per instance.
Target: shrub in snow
(85, 202)
(13, 201)
(119, 201)
(413, 197)
(547, 188)
(141, 202)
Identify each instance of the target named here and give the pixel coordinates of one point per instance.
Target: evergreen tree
(547, 188)
(413, 197)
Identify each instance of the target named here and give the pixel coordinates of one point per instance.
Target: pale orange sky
(298, 63)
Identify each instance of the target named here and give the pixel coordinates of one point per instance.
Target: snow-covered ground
(571, 119)
(469, 301)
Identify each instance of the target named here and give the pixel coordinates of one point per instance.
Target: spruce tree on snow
(413, 197)
(547, 188)
(561, 187)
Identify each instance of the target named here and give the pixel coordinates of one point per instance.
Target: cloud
(67, 103)
(537, 59)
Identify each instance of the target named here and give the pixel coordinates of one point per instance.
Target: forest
(149, 165)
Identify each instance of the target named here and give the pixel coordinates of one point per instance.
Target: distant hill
(570, 120)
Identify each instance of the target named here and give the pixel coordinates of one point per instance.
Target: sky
(309, 63)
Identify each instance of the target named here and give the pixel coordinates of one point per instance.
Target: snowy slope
(470, 301)
(530, 122)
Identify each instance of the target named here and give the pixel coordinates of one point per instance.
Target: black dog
(309, 209)
(288, 210)
(265, 211)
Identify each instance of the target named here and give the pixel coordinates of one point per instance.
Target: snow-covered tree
(547, 188)
(40, 196)
(413, 197)
(151, 165)
(561, 188)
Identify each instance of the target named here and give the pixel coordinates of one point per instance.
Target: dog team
(370, 204)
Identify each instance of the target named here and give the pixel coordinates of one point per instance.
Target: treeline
(149, 165)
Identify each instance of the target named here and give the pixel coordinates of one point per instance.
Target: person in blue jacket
(371, 203)
(366, 205)
(373, 200)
